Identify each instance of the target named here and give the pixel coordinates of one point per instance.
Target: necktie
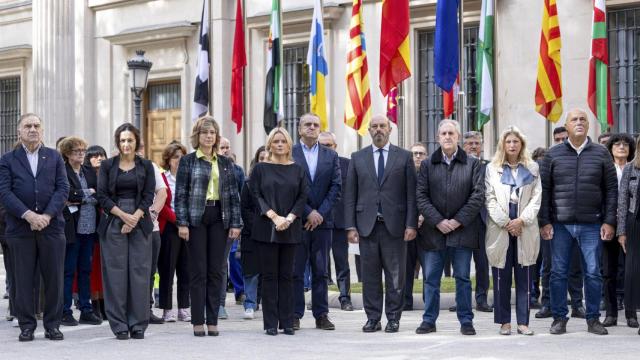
(380, 166)
(380, 175)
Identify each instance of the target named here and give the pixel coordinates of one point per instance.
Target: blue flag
(446, 62)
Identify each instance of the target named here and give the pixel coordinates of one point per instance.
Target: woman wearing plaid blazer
(207, 209)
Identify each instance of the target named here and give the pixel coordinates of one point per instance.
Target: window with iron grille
(9, 112)
(430, 110)
(164, 96)
(624, 68)
(295, 82)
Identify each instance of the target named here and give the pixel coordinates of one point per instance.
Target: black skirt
(632, 264)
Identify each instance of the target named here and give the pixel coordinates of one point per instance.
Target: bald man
(579, 204)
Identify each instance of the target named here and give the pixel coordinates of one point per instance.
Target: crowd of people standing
(75, 221)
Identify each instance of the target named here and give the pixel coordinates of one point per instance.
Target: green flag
(484, 70)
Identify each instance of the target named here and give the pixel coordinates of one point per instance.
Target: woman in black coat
(80, 216)
(126, 187)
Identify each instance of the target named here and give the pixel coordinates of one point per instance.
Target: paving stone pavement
(244, 339)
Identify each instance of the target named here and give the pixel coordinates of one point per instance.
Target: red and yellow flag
(549, 83)
(394, 44)
(357, 110)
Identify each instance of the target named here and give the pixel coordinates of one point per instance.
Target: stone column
(54, 67)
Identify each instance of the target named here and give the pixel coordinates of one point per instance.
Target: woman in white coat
(513, 193)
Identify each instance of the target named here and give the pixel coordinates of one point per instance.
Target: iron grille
(296, 87)
(430, 110)
(9, 112)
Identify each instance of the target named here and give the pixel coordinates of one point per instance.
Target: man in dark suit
(33, 190)
(323, 173)
(380, 215)
(339, 243)
(472, 145)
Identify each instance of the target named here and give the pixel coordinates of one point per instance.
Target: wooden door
(163, 127)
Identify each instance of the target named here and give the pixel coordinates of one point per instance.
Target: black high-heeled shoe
(272, 332)
(199, 333)
(213, 332)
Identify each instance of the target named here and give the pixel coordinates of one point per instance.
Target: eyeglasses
(419, 153)
(79, 151)
(621, 143)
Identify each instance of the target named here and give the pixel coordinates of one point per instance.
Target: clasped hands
(448, 225)
(282, 223)
(37, 221)
(130, 221)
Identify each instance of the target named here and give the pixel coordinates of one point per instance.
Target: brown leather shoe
(323, 322)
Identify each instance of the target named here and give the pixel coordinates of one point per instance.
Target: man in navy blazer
(33, 190)
(323, 172)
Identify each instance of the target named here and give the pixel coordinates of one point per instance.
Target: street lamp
(138, 75)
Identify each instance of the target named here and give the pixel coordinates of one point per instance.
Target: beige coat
(497, 202)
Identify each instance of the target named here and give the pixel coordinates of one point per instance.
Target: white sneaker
(184, 315)
(15, 322)
(169, 316)
(248, 314)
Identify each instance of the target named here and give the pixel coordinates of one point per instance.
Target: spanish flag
(318, 68)
(549, 84)
(394, 44)
(357, 109)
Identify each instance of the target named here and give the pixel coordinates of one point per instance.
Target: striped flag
(394, 44)
(237, 72)
(318, 68)
(392, 105)
(549, 84)
(484, 64)
(201, 94)
(599, 94)
(357, 110)
(273, 93)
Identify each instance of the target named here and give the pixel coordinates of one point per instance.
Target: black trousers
(610, 264)
(27, 252)
(173, 260)
(8, 269)
(502, 280)
(381, 251)
(207, 243)
(482, 269)
(412, 260)
(575, 275)
(276, 266)
(340, 249)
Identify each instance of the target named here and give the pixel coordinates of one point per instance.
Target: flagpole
(210, 82)
(460, 113)
(494, 125)
(245, 137)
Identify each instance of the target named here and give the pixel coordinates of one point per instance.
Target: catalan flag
(599, 94)
(318, 68)
(549, 84)
(394, 44)
(357, 110)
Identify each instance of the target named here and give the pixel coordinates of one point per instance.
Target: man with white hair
(450, 195)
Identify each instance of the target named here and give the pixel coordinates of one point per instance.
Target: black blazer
(76, 195)
(44, 193)
(396, 193)
(107, 191)
(324, 188)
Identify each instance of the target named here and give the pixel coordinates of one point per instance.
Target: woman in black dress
(629, 234)
(126, 186)
(279, 187)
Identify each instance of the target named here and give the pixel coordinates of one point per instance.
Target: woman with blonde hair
(207, 208)
(513, 194)
(279, 187)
